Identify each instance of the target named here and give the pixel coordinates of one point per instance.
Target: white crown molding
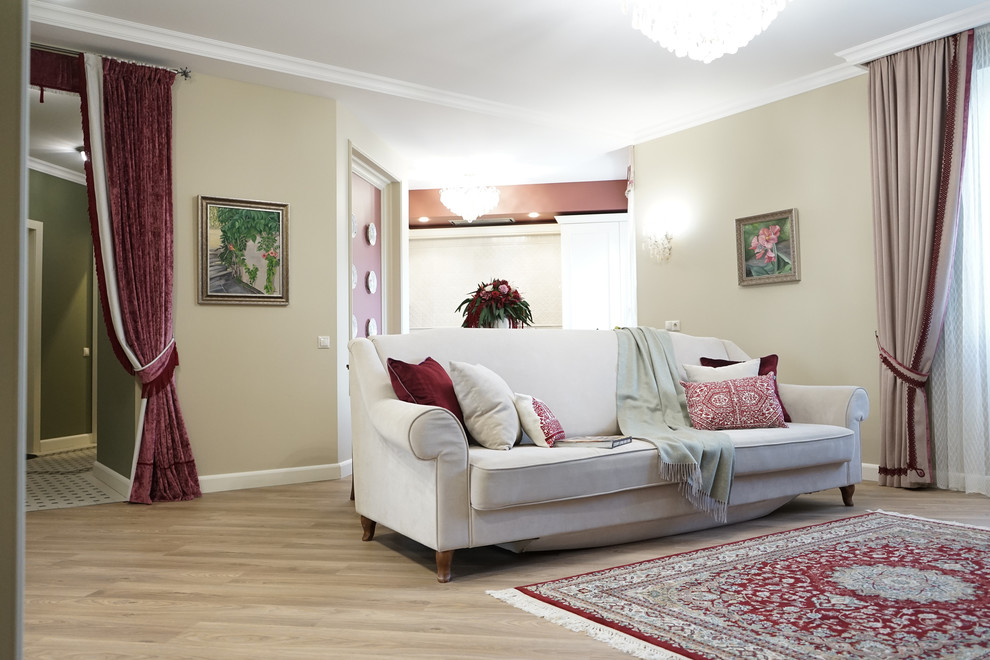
(779, 92)
(48, 13)
(56, 171)
(919, 34)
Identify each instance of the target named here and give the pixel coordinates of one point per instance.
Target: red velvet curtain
(137, 137)
(134, 134)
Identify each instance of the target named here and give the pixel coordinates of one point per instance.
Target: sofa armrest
(839, 405)
(429, 432)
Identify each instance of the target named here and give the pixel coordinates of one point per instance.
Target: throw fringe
(614, 638)
(688, 476)
(705, 503)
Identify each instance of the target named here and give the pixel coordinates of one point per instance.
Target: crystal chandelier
(703, 30)
(469, 202)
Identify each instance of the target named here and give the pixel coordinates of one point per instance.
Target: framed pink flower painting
(767, 248)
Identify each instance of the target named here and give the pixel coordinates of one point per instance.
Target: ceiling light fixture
(82, 153)
(469, 202)
(703, 30)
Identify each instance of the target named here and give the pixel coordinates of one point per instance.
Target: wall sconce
(660, 246)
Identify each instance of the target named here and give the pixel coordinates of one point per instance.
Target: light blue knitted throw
(651, 406)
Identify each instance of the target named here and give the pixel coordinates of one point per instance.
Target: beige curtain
(918, 112)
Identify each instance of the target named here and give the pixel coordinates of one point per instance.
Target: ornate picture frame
(243, 252)
(767, 248)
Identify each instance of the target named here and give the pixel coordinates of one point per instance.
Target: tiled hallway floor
(63, 480)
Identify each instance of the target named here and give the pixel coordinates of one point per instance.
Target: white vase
(502, 323)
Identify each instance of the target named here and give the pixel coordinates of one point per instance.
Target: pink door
(366, 258)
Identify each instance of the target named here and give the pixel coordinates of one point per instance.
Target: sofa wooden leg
(847, 494)
(444, 559)
(368, 525)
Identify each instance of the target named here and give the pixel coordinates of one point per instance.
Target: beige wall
(255, 391)
(13, 205)
(809, 152)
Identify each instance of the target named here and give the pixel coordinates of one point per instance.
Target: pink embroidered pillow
(745, 403)
(539, 423)
(426, 383)
(768, 365)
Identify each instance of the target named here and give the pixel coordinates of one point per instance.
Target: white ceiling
(511, 91)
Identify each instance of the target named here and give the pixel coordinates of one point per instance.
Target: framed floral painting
(243, 252)
(767, 248)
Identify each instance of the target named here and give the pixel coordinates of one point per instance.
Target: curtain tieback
(158, 373)
(902, 372)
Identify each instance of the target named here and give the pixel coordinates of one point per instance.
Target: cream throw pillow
(487, 403)
(699, 374)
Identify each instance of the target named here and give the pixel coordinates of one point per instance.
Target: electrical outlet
(323, 341)
(673, 326)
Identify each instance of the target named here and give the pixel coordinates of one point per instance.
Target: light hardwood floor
(282, 572)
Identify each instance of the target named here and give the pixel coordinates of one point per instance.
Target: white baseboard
(871, 472)
(65, 443)
(215, 483)
(116, 482)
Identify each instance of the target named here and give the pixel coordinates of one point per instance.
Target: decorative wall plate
(353, 225)
(354, 327)
(353, 276)
(371, 282)
(372, 327)
(372, 233)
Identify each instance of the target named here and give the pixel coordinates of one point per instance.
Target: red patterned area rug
(879, 585)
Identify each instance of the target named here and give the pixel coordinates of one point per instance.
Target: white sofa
(416, 473)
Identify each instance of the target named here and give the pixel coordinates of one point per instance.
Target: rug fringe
(944, 522)
(617, 640)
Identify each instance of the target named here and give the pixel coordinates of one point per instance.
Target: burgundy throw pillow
(426, 383)
(744, 403)
(768, 365)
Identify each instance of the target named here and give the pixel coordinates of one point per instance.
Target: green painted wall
(67, 304)
(116, 416)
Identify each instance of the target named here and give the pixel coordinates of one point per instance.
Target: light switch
(323, 342)
(85, 351)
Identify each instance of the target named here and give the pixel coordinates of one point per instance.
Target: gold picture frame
(767, 248)
(243, 252)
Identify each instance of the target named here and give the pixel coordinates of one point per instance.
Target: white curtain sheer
(960, 393)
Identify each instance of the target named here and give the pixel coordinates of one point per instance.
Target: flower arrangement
(494, 302)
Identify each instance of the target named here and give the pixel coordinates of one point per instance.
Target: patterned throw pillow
(537, 420)
(745, 403)
(425, 383)
(768, 365)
